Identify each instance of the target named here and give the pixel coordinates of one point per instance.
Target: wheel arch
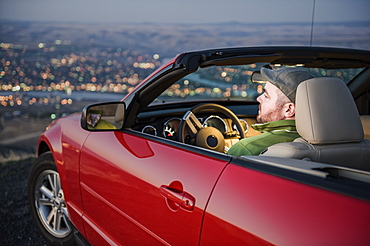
(42, 148)
(51, 140)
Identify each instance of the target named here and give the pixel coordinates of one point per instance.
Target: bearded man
(276, 115)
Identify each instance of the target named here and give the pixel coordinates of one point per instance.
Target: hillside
(172, 39)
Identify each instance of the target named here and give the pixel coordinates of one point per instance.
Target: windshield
(233, 83)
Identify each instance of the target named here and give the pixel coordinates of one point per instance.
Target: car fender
(65, 138)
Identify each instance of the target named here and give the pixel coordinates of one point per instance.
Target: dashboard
(169, 127)
(165, 121)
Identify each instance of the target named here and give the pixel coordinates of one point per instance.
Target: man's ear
(289, 110)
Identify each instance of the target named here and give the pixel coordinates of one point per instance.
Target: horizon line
(185, 24)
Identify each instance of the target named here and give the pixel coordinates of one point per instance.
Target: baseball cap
(286, 79)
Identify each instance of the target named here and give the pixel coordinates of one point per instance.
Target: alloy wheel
(50, 204)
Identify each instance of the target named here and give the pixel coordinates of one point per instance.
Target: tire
(47, 204)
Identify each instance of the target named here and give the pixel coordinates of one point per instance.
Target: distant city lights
(45, 68)
(58, 68)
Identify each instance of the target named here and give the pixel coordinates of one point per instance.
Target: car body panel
(274, 207)
(65, 139)
(129, 196)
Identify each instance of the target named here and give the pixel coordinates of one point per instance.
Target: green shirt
(272, 133)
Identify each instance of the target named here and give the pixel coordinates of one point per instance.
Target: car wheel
(47, 204)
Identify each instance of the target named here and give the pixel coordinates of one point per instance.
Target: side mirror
(103, 116)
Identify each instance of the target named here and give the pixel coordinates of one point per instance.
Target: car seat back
(329, 124)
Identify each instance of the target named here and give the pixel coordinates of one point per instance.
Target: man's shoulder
(249, 146)
(256, 144)
(252, 139)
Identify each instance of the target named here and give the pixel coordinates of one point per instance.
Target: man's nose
(259, 99)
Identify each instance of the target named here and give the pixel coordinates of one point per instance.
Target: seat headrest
(326, 112)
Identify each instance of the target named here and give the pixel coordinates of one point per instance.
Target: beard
(270, 115)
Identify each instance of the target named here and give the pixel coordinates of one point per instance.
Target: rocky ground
(17, 226)
(18, 141)
(19, 136)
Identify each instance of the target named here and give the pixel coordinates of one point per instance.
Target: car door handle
(182, 198)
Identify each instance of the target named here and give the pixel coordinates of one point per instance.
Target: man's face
(271, 106)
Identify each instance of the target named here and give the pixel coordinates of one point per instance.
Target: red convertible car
(153, 169)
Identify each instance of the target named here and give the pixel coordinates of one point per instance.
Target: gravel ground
(16, 224)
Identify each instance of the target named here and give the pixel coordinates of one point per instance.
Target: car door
(142, 190)
(278, 201)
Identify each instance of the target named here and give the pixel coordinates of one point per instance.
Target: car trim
(146, 93)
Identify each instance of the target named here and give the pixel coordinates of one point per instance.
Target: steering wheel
(207, 137)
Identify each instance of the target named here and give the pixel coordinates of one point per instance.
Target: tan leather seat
(329, 124)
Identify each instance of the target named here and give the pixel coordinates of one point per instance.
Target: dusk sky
(186, 12)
